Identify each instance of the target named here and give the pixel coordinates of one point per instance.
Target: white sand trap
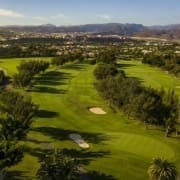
(97, 110)
(78, 139)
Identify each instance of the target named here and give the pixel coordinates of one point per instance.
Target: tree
(148, 106)
(167, 62)
(78, 56)
(22, 79)
(107, 57)
(2, 76)
(161, 169)
(18, 111)
(59, 61)
(10, 154)
(26, 71)
(102, 71)
(33, 67)
(14, 129)
(57, 166)
(171, 111)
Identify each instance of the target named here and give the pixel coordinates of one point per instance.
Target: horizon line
(46, 24)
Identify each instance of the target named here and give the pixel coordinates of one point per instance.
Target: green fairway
(151, 76)
(10, 64)
(119, 148)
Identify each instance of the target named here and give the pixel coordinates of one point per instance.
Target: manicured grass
(119, 148)
(151, 76)
(11, 63)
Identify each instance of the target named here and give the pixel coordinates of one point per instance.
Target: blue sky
(73, 12)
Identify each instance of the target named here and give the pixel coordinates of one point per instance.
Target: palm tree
(161, 169)
(57, 166)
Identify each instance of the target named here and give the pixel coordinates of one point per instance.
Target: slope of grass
(151, 76)
(119, 148)
(10, 64)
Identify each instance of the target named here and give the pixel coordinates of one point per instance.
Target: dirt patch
(97, 110)
(78, 139)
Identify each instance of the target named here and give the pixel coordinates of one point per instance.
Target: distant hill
(166, 32)
(111, 28)
(170, 32)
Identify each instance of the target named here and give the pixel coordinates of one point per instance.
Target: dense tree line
(105, 70)
(169, 63)
(149, 105)
(32, 50)
(26, 71)
(16, 112)
(70, 57)
(38, 40)
(107, 56)
(104, 40)
(11, 51)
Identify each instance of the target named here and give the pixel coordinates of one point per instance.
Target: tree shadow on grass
(16, 175)
(124, 66)
(52, 78)
(137, 79)
(44, 83)
(37, 152)
(94, 175)
(49, 90)
(85, 156)
(34, 140)
(63, 134)
(79, 67)
(46, 114)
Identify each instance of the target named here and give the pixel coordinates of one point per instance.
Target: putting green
(141, 145)
(119, 148)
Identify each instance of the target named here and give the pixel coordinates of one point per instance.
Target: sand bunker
(97, 110)
(78, 139)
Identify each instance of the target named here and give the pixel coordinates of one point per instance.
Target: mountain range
(168, 32)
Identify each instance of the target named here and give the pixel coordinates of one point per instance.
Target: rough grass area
(119, 148)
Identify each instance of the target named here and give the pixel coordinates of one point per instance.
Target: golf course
(119, 148)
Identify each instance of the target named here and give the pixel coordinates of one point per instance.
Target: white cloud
(40, 18)
(10, 13)
(51, 18)
(24, 19)
(58, 16)
(105, 17)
